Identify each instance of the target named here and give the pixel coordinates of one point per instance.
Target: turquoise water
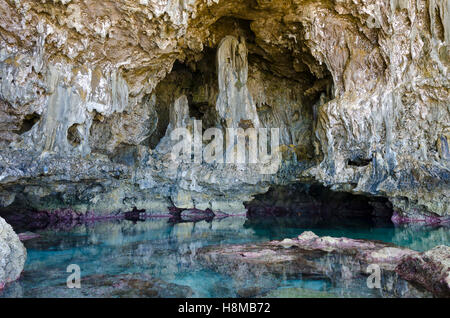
(167, 251)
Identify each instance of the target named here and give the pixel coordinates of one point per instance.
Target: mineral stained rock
(12, 254)
(346, 262)
(430, 269)
(25, 236)
(90, 90)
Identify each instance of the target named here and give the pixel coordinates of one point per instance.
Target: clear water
(166, 251)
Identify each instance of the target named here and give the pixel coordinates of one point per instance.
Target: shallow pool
(166, 251)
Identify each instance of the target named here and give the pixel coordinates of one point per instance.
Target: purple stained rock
(28, 236)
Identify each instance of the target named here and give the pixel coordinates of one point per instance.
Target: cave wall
(360, 90)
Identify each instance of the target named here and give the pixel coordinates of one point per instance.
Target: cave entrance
(287, 87)
(314, 205)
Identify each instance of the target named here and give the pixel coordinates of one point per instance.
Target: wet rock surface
(25, 236)
(12, 254)
(169, 251)
(193, 215)
(346, 262)
(430, 269)
(91, 92)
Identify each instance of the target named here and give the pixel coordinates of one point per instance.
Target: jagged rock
(346, 262)
(430, 269)
(12, 254)
(359, 90)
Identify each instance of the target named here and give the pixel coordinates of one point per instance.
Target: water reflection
(166, 252)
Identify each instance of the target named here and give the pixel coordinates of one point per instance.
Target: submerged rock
(12, 254)
(293, 292)
(345, 262)
(121, 286)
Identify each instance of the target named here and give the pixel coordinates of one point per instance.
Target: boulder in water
(12, 254)
(347, 263)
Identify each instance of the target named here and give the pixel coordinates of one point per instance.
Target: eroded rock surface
(430, 269)
(359, 89)
(346, 262)
(234, 103)
(12, 254)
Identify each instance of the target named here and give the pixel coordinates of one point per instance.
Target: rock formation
(234, 104)
(12, 254)
(430, 269)
(347, 262)
(359, 89)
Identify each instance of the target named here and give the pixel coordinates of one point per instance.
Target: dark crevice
(439, 26)
(28, 122)
(99, 133)
(74, 135)
(125, 154)
(359, 162)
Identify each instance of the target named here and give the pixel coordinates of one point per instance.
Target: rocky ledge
(348, 263)
(12, 254)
